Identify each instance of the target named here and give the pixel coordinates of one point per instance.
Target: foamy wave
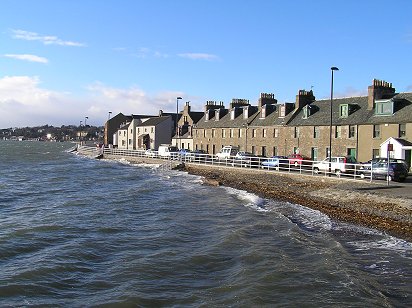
(251, 200)
(309, 219)
(387, 242)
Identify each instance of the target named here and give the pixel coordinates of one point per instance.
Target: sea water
(78, 232)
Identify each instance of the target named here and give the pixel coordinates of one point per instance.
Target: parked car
(338, 165)
(246, 159)
(184, 154)
(150, 153)
(227, 152)
(298, 159)
(197, 155)
(168, 151)
(367, 164)
(397, 171)
(275, 162)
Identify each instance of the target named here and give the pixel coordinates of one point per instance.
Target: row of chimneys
(378, 90)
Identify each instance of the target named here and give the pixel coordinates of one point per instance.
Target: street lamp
(333, 68)
(177, 113)
(80, 132)
(246, 125)
(85, 119)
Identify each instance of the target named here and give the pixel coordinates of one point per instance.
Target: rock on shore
(339, 199)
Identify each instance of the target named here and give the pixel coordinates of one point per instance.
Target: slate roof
(153, 121)
(320, 115)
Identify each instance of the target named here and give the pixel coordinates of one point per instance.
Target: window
(263, 112)
(240, 133)
(204, 133)
(351, 152)
(296, 132)
(138, 130)
(295, 150)
(275, 132)
(402, 130)
(338, 131)
(282, 111)
(213, 133)
(376, 131)
(223, 133)
(253, 149)
(152, 129)
(275, 151)
(253, 133)
(231, 133)
(316, 132)
(352, 131)
(375, 153)
(383, 107)
(343, 110)
(130, 141)
(314, 153)
(263, 151)
(305, 112)
(264, 133)
(131, 131)
(185, 119)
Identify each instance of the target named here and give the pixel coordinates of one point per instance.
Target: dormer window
(384, 107)
(343, 110)
(217, 114)
(263, 112)
(306, 112)
(282, 111)
(245, 113)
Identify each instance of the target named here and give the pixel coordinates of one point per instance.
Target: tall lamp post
(177, 113)
(246, 125)
(333, 68)
(85, 119)
(80, 132)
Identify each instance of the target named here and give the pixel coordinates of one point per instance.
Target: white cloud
(23, 102)
(199, 56)
(132, 100)
(26, 57)
(45, 39)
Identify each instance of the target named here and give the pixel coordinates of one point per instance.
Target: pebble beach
(345, 200)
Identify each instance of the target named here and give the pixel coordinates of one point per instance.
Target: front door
(408, 158)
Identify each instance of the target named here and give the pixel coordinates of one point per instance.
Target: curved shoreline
(339, 199)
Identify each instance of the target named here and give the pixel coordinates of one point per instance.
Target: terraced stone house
(360, 125)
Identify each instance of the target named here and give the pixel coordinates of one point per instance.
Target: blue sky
(64, 60)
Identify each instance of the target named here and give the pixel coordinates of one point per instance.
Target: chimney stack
(304, 98)
(379, 89)
(266, 99)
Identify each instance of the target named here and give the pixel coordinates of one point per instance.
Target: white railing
(281, 164)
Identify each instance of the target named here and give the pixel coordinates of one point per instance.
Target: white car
(338, 165)
(226, 152)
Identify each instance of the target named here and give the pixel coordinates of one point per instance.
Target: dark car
(385, 160)
(197, 155)
(397, 171)
(246, 159)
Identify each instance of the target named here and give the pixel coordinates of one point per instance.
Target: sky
(64, 60)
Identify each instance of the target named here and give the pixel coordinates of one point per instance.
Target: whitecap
(250, 200)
